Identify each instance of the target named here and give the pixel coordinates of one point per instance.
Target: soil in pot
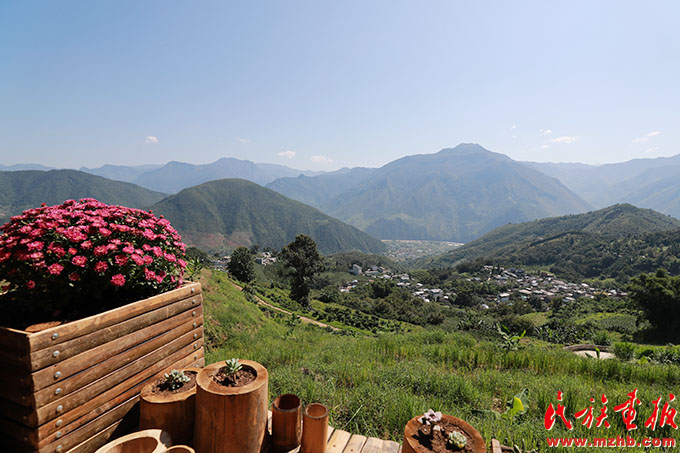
(242, 377)
(159, 389)
(437, 440)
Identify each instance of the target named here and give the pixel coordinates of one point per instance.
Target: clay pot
(173, 413)
(314, 429)
(286, 421)
(231, 419)
(147, 441)
(412, 444)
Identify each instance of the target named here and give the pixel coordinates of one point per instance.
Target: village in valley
(516, 284)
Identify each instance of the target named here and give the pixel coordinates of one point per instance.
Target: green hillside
(373, 384)
(20, 190)
(454, 195)
(618, 241)
(224, 214)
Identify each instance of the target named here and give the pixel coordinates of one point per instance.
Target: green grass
(374, 384)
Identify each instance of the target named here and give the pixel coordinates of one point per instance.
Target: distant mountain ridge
(455, 195)
(21, 190)
(582, 245)
(646, 183)
(232, 212)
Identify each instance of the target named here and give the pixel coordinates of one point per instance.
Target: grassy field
(373, 384)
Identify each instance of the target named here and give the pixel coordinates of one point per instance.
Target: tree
(304, 261)
(658, 295)
(241, 265)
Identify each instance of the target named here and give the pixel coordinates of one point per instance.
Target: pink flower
(35, 246)
(118, 280)
(129, 249)
(87, 245)
(149, 274)
(105, 232)
(147, 259)
(170, 257)
(121, 260)
(100, 267)
(74, 276)
(30, 284)
(100, 250)
(137, 259)
(150, 235)
(72, 251)
(157, 251)
(55, 269)
(146, 247)
(79, 261)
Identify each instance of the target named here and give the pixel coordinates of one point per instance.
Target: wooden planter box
(72, 387)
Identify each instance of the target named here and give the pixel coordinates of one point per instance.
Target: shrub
(85, 256)
(601, 338)
(624, 351)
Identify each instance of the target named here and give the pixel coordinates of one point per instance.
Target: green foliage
(232, 366)
(518, 405)
(304, 261)
(509, 342)
(235, 211)
(241, 265)
(174, 380)
(624, 351)
(658, 296)
(193, 269)
(601, 338)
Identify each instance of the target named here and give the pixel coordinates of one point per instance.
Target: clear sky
(322, 85)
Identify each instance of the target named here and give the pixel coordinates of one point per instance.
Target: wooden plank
(87, 359)
(15, 340)
(96, 441)
(496, 446)
(338, 441)
(20, 434)
(22, 414)
(390, 446)
(15, 385)
(42, 339)
(372, 445)
(78, 380)
(45, 357)
(77, 432)
(355, 444)
(81, 414)
(100, 391)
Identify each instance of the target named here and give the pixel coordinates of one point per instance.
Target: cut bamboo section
(231, 419)
(74, 385)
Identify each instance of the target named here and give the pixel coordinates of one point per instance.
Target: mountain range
(456, 195)
(20, 190)
(618, 241)
(222, 214)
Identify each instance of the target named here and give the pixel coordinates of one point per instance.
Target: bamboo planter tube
(149, 440)
(231, 419)
(172, 413)
(412, 444)
(286, 422)
(180, 449)
(315, 429)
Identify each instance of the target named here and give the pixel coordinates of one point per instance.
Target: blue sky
(322, 85)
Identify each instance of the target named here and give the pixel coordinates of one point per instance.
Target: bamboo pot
(286, 421)
(315, 429)
(412, 444)
(231, 419)
(172, 413)
(149, 440)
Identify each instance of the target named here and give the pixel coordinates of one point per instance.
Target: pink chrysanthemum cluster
(89, 247)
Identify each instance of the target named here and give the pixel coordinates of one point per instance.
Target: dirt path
(281, 310)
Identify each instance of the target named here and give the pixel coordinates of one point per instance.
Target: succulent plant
(430, 417)
(233, 366)
(174, 380)
(457, 439)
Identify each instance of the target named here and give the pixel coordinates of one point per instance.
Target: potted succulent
(231, 407)
(434, 432)
(169, 403)
(102, 286)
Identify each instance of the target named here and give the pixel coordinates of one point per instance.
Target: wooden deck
(340, 441)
